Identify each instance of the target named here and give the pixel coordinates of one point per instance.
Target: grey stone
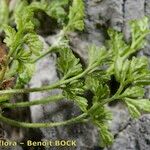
(120, 118)
(135, 136)
(132, 10)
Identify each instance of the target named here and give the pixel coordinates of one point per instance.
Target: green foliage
(10, 34)
(139, 71)
(76, 15)
(4, 13)
(100, 116)
(24, 44)
(133, 74)
(141, 104)
(116, 44)
(139, 28)
(56, 9)
(25, 73)
(23, 17)
(68, 64)
(133, 92)
(115, 59)
(135, 106)
(75, 91)
(4, 98)
(34, 44)
(121, 69)
(106, 137)
(81, 102)
(97, 56)
(133, 110)
(96, 84)
(133, 71)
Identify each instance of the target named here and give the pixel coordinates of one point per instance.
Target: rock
(99, 16)
(120, 118)
(135, 136)
(106, 12)
(132, 10)
(45, 74)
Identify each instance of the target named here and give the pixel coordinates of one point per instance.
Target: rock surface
(135, 135)
(129, 134)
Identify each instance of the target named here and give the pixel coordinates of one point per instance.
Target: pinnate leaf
(68, 64)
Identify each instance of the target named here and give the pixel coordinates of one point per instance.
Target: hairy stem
(116, 96)
(10, 53)
(29, 90)
(53, 47)
(46, 88)
(35, 102)
(42, 125)
(108, 100)
(129, 51)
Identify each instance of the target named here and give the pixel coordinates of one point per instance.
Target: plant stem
(28, 90)
(53, 47)
(108, 100)
(42, 125)
(116, 96)
(130, 50)
(35, 102)
(45, 88)
(7, 61)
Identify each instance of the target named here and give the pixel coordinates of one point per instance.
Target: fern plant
(114, 59)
